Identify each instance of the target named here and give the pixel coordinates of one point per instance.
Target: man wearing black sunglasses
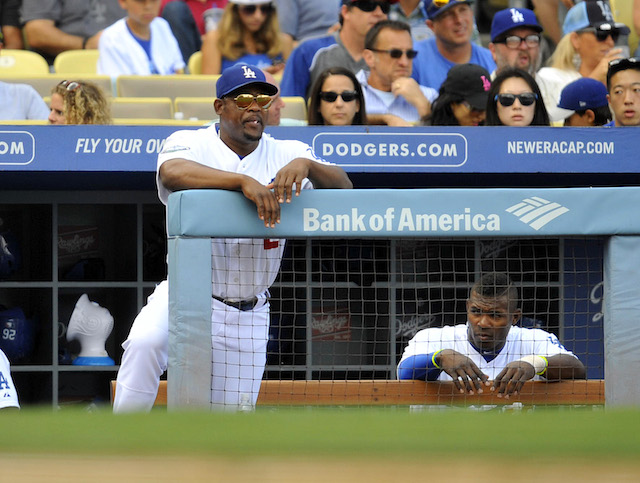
(392, 97)
(343, 48)
(232, 155)
(452, 23)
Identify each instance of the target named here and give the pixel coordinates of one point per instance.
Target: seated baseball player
(489, 347)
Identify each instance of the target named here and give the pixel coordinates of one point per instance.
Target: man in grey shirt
(302, 19)
(53, 26)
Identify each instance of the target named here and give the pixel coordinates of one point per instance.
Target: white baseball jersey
(8, 393)
(520, 342)
(242, 268)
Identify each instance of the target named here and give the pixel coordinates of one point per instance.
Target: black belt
(243, 305)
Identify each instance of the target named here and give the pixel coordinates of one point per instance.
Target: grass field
(322, 444)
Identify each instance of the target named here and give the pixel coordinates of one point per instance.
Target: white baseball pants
(239, 347)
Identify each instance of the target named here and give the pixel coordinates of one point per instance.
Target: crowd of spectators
(401, 53)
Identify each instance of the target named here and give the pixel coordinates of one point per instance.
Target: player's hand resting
(289, 176)
(265, 200)
(512, 378)
(464, 372)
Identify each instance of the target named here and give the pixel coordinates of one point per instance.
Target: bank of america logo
(537, 212)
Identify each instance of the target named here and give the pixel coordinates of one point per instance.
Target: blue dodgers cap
(433, 8)
(241, 75)
(511, 18)
(584, 93)
(592, 13)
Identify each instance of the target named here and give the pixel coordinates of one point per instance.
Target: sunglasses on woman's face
(330, 96)
(526, 98)
(243, 101)
(370, 5)
(602, 35)
(251, 9)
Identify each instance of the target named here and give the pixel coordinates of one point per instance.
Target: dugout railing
(605, 214)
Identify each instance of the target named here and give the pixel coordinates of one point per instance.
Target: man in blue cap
(586, 102)
(452, 24)
(232, 155)
(515, 40)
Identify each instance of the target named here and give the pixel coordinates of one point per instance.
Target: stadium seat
(22, 62)
(76, 62)
(294, 108)
(196, 108)
(44, 83)
(166, 85)
(195, 63)
(142, 107)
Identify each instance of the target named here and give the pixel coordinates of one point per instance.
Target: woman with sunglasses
(78, 102)
(336, 99)
(515, 100)
(248, 33)
(585, 50)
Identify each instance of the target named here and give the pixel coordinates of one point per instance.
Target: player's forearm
(181, 174)
(564, 366)
(43, 35)
(327, 176)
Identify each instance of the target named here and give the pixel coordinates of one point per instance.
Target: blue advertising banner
(407, 213)
(355, 148)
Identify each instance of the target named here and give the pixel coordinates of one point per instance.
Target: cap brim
(478, 101)
(269, 89)
(448, 6)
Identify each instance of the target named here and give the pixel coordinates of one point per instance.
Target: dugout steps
(385, 393)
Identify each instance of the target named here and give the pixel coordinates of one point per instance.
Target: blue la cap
(241, 75)
(511, 18)
(433, 8)
(584, 93)
(591, 13)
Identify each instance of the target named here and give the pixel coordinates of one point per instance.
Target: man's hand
(408, 88)
(264, 199)
(465, 374)
(512, 378)
(288, 176)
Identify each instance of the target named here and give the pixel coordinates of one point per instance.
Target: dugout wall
(497, 214)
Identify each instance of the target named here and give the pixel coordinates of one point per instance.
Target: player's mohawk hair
(496, 285)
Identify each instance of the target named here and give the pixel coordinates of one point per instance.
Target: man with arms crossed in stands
(232, 155)
(489, 346)
(391, 96)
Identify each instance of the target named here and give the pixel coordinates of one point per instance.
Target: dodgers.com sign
(399, 150)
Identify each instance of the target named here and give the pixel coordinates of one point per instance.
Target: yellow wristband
(539, 363)
(433, 359)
